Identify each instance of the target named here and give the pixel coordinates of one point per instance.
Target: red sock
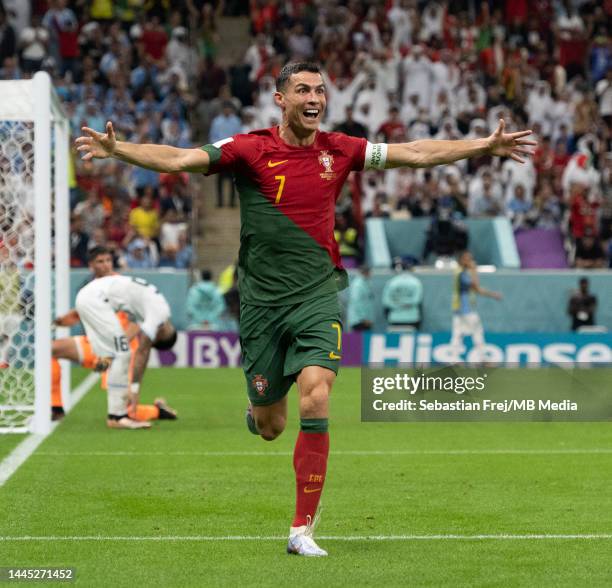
(310, 465)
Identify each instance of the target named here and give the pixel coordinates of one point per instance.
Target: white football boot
(301, 541)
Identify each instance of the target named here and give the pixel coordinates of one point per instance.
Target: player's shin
(118, 389)
(310, 465)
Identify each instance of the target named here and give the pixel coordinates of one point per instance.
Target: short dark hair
(96, 251)
(167, 343)
(293, 68)
(206, 275)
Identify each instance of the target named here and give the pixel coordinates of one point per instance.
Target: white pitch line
(83, 388)
(365, 452)
(27, 447)
(210, 538)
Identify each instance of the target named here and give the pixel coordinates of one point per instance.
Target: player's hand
(103, 364)
(513, 145)
(99, 145)
(497, 295)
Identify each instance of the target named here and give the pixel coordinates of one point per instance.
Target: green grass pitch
(146, 493)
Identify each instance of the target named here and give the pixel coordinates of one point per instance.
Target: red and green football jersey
(288, 194)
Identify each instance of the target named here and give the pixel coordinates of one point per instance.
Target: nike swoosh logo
(333, 355)
(275, 163)
(308, 490)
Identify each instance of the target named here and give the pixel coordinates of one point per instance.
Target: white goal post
(34, 249)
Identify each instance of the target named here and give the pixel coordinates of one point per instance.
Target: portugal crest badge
(260, 384)
(327, 161)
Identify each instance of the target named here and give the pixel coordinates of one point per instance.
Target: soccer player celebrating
(78, 350)
(289, 268)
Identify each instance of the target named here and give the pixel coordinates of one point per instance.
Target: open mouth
(311, 113)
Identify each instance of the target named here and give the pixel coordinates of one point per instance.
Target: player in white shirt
(78, 349)
(97, 303)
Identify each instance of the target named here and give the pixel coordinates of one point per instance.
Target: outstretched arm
(161, 158)
(430, 152)
(480, 290)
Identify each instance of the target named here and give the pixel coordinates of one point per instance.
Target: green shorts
(278, 341)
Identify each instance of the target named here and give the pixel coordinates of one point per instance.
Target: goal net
(34, 248)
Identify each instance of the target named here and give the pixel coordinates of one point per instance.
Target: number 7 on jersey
(281, 187)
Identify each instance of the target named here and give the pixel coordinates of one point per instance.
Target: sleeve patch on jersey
(376, 156)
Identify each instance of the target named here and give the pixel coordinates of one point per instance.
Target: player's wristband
(376, 156)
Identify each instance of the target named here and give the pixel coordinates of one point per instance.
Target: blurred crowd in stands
(129, 62)
(396, 70)
(401, 70)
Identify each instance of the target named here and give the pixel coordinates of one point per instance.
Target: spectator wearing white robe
(540, 106)
(417, 75)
